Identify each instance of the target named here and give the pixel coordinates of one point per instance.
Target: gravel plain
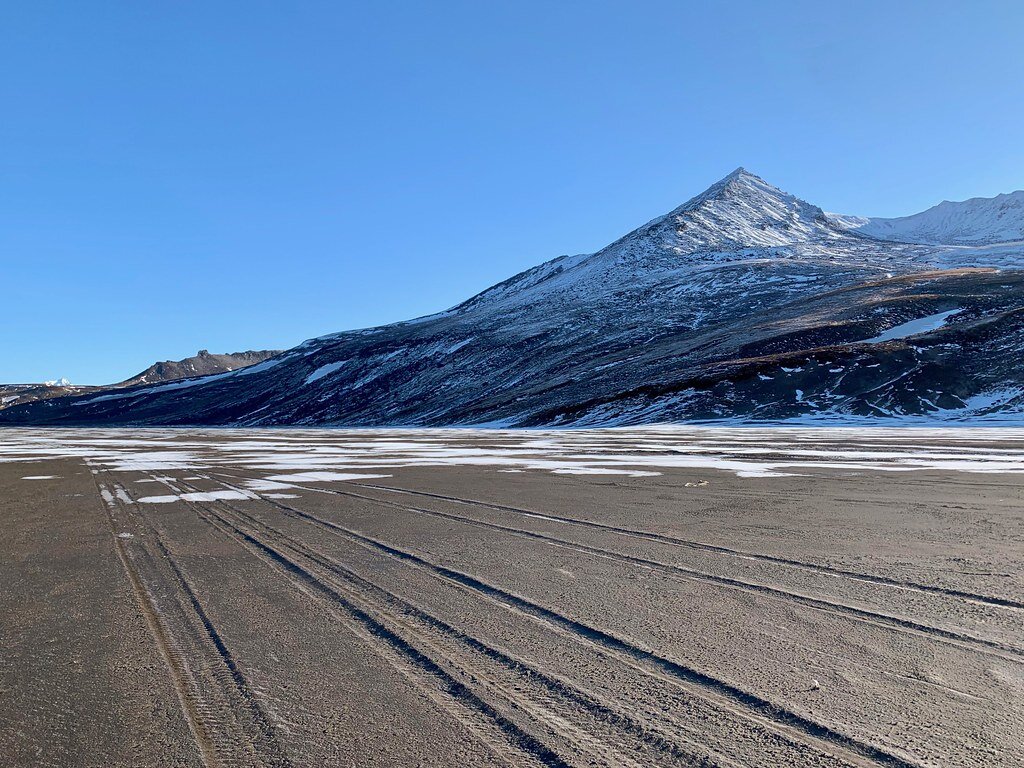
(641, 597)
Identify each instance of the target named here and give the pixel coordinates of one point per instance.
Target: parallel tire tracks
(726, 551)
(518, 685)
(230, 726)
(740, 702)
(679, 572)
(502, 732)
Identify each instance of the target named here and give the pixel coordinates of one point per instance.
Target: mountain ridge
(203, 363)
(745, 302)
(975, 221)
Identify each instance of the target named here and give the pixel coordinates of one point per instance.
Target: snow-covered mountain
(978, 221)
(745, 302)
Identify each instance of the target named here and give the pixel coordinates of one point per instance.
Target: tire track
(741, 702)
(440, 637)
(229, 724)
(593, 706)
(987, 600)
(402, 654)
(680, 573)
(176, 667)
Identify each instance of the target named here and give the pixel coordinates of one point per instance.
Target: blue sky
(185, 175)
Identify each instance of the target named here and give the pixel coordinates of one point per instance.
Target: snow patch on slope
(324, 370)
(915, 327)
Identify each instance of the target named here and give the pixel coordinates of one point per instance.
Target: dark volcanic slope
(201, 364)
(745, 302)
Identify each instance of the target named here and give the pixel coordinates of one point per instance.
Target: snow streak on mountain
(744, 303)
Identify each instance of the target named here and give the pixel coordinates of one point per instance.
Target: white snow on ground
(277, 460)
(990, 399)
(266, 365)
(157, 388)
(602, 471)
(311, 477)
(199, 496)
(154, 460)
(40, 477)
(324, 370)
(914, 327)
(266, 485)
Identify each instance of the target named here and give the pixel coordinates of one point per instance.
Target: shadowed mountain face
(743, 303)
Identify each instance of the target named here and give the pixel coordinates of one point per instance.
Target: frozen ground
(802, 596)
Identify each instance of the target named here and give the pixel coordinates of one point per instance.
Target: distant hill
(19, 394)
(202, 364)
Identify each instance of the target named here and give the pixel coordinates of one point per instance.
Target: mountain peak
(741, 210)
(741, 184)
(738, 212)
(738, 179)
(202, 364)
(740, 173)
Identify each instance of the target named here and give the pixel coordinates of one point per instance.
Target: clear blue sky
(233, 175)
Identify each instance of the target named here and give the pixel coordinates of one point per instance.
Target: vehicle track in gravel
(721, 550)
(679, 572)
(502, 733)
(230, 727)
(740, 702)
(550, 702)
(442, 616)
